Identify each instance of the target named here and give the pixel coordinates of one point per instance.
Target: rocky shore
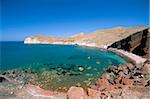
(125, 81)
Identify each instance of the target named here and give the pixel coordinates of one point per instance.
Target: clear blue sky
(23, 18)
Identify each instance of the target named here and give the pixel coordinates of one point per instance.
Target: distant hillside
(97, 38)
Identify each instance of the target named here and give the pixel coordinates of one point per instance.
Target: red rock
(117, 81)
(106, 76)
(76, 93)
(110, 68)
(94, 87)
(118, 86)
(110, 88)
(121, 74)
(93, 93)
(126, 81)
(102, 82)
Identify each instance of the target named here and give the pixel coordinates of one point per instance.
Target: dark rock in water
(2, 79)
(74, 74)
(63, 72)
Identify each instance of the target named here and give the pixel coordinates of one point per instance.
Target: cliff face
(97, 38)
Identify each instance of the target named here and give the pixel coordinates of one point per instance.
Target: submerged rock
(81, 68)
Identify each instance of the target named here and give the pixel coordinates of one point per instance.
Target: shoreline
(104, 80)
(116, 80)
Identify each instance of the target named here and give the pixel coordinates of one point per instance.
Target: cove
(57, 67)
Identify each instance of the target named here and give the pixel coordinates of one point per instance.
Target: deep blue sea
(89, 62)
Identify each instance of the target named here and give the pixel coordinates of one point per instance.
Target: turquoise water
(71, 61)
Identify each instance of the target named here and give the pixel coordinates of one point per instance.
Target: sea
(57, 67)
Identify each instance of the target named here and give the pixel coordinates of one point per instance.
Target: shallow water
(58, 66)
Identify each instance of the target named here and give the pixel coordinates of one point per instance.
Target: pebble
(81, 68)
(97, 62)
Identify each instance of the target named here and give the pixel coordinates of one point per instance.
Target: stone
(93, 92)
(121, 74)
(126, 81)
(89, 67)
(106, 76)
(117, 81)
(118, 86)
(102, 82)
(94, 87)
(146, 69)
(76, 93)
(110, 88)
(97, 62)
(81, 68)
(111, 68)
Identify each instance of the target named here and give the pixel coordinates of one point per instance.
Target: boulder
(126, 81)
(102, 82)
(76, 93)
(117, 81)
(111, 68)
(121, 74)
(106, 76)
(110, 88)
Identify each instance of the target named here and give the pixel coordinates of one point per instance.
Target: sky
(23, 18)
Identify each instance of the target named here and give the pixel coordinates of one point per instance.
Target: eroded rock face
(76, 93)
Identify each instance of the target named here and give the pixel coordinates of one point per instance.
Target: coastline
(119, 82)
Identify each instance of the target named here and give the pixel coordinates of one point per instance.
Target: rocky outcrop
(125, 81)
